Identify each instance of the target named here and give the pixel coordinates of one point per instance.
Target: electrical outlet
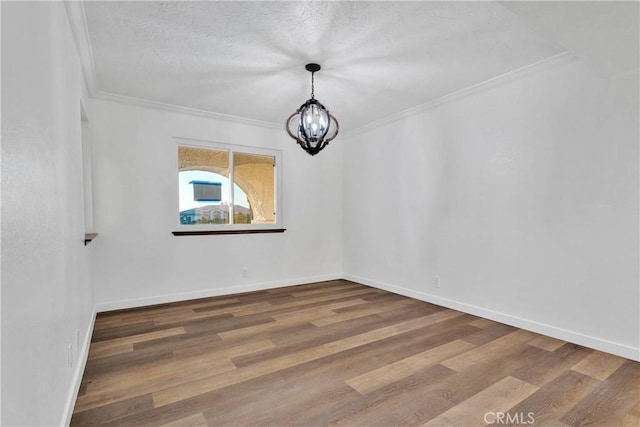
(435, 281)
(245, 272)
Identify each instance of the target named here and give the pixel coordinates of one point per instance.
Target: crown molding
(79, 29)
(140, 102)
(78, 24)
(551, 61)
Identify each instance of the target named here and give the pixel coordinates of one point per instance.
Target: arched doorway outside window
(253, 198)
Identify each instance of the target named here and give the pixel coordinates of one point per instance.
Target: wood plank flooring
(342, 354)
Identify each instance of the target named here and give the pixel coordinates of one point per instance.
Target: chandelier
(312, 122)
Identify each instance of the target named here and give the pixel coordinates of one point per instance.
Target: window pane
(204, 186)
(254, 175)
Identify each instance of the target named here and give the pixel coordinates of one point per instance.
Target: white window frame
(232, 148)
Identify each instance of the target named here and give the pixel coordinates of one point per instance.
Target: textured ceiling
(246, 59)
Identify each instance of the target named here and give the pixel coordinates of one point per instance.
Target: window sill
(88, 237)
(213, 232)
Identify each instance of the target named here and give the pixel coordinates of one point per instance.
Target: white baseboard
(81, 363)
(205, 293)
(540, 328)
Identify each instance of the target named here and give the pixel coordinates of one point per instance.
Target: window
(224, 188)
(87, 180)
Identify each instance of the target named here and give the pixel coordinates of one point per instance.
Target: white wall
(138, 260)
(46, 289)
(521, 195)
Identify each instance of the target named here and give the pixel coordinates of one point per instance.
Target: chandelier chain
(312, 84)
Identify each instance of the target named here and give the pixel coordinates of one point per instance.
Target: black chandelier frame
(309, 143)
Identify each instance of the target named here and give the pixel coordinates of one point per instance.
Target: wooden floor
(339, 353)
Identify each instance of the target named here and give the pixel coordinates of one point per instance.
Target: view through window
(223, 187)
